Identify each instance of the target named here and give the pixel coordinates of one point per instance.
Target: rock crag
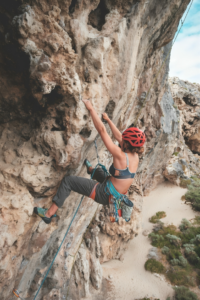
(185, 160)
(52, 53)
(186, 96)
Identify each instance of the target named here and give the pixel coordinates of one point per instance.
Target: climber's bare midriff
(121, 185)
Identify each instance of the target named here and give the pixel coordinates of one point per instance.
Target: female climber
(122, 171)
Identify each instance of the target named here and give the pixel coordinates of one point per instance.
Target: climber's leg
(77, 184)
(84, 186)
(80, 185)
(52, 210)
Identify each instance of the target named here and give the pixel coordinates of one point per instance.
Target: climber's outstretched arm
(95, 118)
(117, 134)
(112, 148)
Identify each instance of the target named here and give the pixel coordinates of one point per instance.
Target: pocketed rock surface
(52, 53)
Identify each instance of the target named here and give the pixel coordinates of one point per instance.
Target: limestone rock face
(53, 53)
(182, 165)
(186, 96)
(185, 160)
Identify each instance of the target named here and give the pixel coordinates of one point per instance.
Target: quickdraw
(16, 293)
(114, 213)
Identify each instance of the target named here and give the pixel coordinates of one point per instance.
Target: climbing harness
(162, 65)
(119, 204)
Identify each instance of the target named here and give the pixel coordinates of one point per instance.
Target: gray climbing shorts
(84, 187)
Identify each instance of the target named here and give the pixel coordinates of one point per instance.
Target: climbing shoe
(41, 213)
(88, 165)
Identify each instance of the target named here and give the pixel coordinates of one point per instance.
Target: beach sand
(128, 277)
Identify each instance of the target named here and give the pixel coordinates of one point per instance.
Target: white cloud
(185, 58)
(189, 31)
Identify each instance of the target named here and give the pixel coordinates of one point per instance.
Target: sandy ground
(128, 277)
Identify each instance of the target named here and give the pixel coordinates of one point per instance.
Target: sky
(185, 56)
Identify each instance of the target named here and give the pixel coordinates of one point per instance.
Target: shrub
(174, 262)
(174, 239)
(183, 198)
(192, 257)
(196, 240)
(188, 248)
(185, 224)
(181, 261)
(197, 250)
(156, 237)
(159, 238)
(154, 266)
(183, 293)
(196, 205)
(193, 194)
(184, 183)
(159, 215)
(189, 234)
(165, 250)
(171, 229)
(196, 220)
(174, 253)
(181, 276)
(158, 226)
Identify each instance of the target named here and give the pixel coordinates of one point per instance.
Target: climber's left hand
(88, 104)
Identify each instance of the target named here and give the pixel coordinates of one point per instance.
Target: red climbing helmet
(134, 136)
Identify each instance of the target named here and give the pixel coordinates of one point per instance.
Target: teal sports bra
(121, 174)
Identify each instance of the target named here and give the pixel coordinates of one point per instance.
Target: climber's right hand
(88, 104)
(105, 116)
